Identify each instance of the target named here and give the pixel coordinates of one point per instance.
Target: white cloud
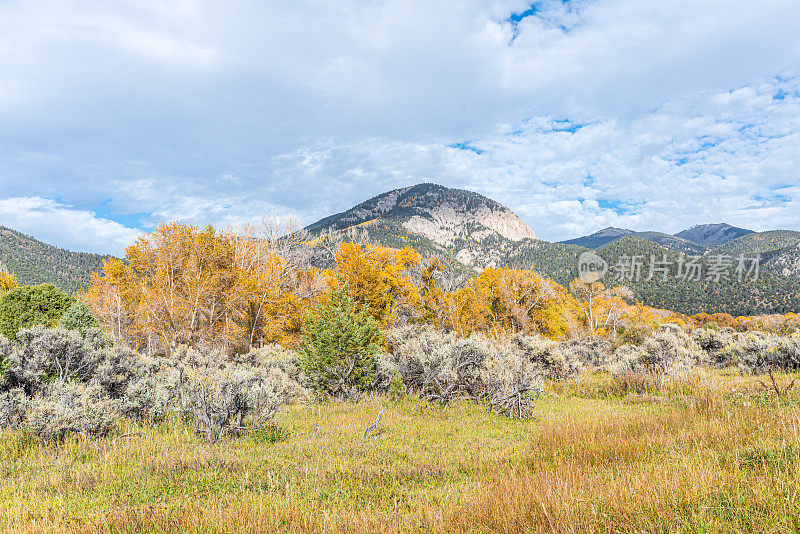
(216, 112)
(666, 170)
(198, 204)
(64, 226)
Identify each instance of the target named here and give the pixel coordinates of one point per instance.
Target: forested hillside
(759, 243)
(469, 232)
(771, 292)
(34, 262)
(767, 293)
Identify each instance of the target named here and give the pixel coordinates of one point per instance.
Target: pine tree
(26, 306)
(338, 347)
(78, 317)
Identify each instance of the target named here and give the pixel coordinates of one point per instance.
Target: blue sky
(117, 115)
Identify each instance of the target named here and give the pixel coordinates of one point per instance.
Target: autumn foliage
(378, 278)
(510, 300)
(180, 285)
(234, 291)
(7, 281)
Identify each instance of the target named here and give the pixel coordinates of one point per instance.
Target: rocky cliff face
(467, 225)
(447, 221)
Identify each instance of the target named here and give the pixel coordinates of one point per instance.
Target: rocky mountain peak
(441, 214)
(712, 234)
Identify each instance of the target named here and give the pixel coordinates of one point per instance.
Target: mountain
(558, 261)
(758, 243)
(671, 242)
(769, 292)
(712, 234)
(34, 262)
(471, 232)
(779, 250)
(785, 261)
(599, 239)
(464, 226)
(609, 235)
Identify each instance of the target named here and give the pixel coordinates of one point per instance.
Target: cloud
(215, 112)
(64, 226)
(724, 156)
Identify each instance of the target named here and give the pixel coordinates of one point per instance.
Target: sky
(576, 114)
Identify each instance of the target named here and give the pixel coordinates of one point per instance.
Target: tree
(7, 281)
(338, 347)
(79, 318)
(26, 306)
(182, 276)
(636, 324)
(509, 300)
(275, 285)
(377, 278)
(231, 291)
(602, 307)
(433, 301)
(112, 298)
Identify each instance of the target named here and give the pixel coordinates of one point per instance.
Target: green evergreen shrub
(27, 306)
(339, 346)
(78, 318)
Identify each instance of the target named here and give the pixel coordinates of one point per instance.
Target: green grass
(692, 456)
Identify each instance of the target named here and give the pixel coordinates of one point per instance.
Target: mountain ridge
(35, 262)
(452, 222)
(697, 239)
(712, 234)
(471, 232)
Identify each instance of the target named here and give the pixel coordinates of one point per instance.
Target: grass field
(712, 454)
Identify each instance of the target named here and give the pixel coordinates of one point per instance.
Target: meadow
(713, 451)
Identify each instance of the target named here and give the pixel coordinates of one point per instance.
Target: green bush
(271, 433)
(339, 347)
(26, 306)
(397, 390)
(78, 318)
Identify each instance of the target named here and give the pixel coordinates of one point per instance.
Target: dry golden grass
(711, 453)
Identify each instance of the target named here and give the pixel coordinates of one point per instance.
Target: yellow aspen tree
(7, 281)
(378, 278)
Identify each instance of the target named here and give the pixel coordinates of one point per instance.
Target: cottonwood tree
(7, 280)
(275, 284)
(377, 278)
(180, 285)
(602, 307)
(508, 300)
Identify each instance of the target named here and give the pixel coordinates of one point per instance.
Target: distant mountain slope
(671, 242)
(785, 261)
(712, 234)
(34, 262)
(558, 261)
(758, 243)
(778, 248)
(600, 238)
(609, 235)
(769, 293)
(469, 227)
